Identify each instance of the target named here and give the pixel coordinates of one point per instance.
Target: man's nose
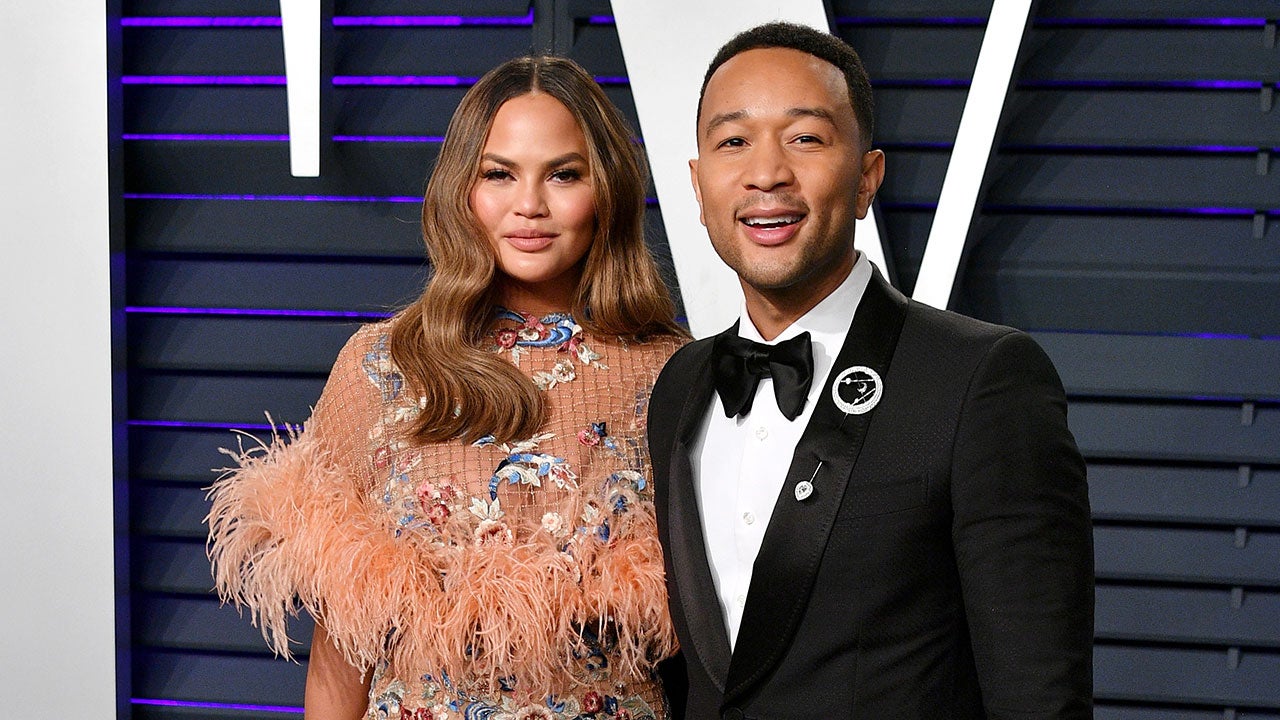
(768, 168)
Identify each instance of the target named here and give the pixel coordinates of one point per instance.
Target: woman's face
(533, 197)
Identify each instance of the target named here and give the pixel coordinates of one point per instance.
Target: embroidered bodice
(474, 579)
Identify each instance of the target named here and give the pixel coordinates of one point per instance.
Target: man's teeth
(771, 222)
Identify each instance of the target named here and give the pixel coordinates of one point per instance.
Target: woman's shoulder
(363, 369)
(370, 343)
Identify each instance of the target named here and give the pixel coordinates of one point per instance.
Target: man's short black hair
(823, 46)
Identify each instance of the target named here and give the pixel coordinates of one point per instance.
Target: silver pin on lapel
(857, 390)
(804, 488)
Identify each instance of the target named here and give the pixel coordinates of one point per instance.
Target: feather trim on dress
(291, 530)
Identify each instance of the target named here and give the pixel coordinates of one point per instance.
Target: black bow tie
(740, 363)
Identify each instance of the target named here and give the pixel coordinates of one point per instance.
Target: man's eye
(733, 142)
(809, 139)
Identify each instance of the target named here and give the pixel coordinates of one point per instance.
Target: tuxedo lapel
(689, 565)
(787, 564)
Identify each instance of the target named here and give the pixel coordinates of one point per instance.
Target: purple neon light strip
(273, 198)
(981, 21)
(190, 22)
(196, 137)
(338, 21)
(1154, 22)
(250, 137)
(196, 425)
(433, 20)
(217, 706)
(256, 312)
(649, 201)
(435, 80)
(1174, 212)
(1122, 149)
(850, 20)
(402, 80)
(1154, 333)
(389, 138)
(202, 79)
(1075, 210)
(1146, 84)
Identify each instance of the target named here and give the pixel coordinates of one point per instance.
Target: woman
(467, 514)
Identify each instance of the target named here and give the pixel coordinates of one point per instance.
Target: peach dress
(494, 580)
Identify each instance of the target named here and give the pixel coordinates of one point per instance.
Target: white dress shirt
(740, 464)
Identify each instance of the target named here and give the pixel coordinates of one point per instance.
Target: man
(869, 508)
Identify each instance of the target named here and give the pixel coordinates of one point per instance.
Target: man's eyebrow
(721, 118)
(815, 112)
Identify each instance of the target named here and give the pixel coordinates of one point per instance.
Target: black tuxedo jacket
(942, 568)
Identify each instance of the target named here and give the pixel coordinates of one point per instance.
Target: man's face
(781, 174)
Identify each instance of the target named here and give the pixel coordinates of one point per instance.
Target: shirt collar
(830, 317)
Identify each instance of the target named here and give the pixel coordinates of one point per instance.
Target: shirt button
(748, 518)
(741, 600)
(762, 432)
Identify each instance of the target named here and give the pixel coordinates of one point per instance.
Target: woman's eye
(566, 176)
(496, 174)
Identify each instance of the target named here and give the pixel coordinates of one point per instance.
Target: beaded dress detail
(504, 580)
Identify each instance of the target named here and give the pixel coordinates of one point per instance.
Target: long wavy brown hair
(467, 391)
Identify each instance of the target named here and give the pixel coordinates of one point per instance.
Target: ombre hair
(436, 342)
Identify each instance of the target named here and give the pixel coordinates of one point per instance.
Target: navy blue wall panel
(1128, 219)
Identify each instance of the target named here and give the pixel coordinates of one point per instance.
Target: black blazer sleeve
(1023, 538)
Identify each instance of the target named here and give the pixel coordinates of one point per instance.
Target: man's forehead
(757, 72)
(783, 59)
(774, 81)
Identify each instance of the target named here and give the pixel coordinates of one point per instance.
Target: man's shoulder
(948, 324)
(955, 332)
(969, 345)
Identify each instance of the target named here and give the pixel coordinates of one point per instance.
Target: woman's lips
(529, 241)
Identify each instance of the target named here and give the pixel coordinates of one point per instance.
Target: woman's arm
(335, 689)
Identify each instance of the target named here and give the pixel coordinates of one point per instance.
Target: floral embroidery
(486, 511)
(524, 467)
(506, 338)
(592, 434)
(434, 500)
(555, 525)
(387, 703)
(557, 330)
(561, 372)
(491, 528)
(436, 705)
(493, 531)
(381, 371)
